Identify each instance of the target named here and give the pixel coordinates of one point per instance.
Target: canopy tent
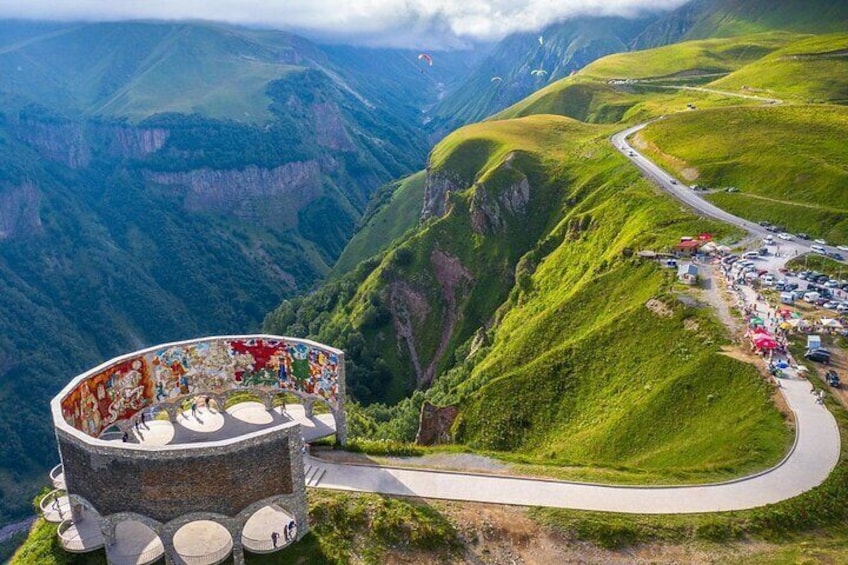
(756, 321)
(831, 323)
(764, 342)
(798, 323)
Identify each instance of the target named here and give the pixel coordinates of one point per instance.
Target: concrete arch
(230, 524)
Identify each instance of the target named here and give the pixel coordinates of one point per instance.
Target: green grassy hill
(392, 211)
(545, 341)
(790, 163)
(810, 70)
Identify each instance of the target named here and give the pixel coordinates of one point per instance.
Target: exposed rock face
(59, 141)
(269, 196)
(434, 424)
(436, 191)
(329, 127)
(132, 143)
(19, 210)
(70, 143)
(487, 211)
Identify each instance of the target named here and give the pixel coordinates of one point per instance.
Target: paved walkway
(811, 459)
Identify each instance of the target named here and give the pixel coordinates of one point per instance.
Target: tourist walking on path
(194, 407)
(274, 537)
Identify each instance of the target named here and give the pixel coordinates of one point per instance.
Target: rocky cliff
(436, 191)
(19, 210)
(271, 197)
(73, 143)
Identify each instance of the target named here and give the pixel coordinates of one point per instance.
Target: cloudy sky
(376, 22)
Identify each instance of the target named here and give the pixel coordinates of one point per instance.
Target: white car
(820, 241)
(785, 236)
(842, 247)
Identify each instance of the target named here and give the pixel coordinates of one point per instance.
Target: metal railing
(51, 506)
(209, 558)
(57, 476)
(264, 545)
(74, 543)
(149, 555)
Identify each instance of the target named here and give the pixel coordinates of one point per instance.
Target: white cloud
(387, 22)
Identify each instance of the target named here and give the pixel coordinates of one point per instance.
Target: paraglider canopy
(538, 72)
(541, 40)
(427, 58)
(496, 79)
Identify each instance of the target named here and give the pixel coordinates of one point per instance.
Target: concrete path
(809, 462)
(815, 453)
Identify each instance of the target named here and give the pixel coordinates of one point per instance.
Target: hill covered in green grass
(519, 299)
(790, 163)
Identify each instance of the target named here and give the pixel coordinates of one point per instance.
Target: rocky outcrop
(329, 127)
(19, 210)
(437, 189)
(56, 140)
(71, 143)
(487, 211)
(434, 424)
(132, 143)
(271, 197)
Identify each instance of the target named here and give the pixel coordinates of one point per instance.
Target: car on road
(672, 181)
(830, 283)
(830, 305)
(768, 240)
(818, 249)
(820, 241)
(802, 235)
(835, 255)
(631, 154)
(832, 378)
(818, 355)
(785, 236)
(842, 248)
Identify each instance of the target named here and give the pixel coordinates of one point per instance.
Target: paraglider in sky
(497, 79)
(542, 40)
(427, 58)
(538, 72)
(572, 73)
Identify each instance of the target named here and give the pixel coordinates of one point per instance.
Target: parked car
(842, 247)
(830, 283)
(811, 296)
(842, 307)
(820, 241)
(830, 305)
(768, 240)
(785, 236)
(832, 378)
(802, 235)
(818, 249)
(768, 279)
(818, 355)
(835, 255)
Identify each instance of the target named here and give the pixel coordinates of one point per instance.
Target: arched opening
(196, 416)
(134, 543)
(251, 412)
(203, 542)
(321, 423)
(269, 529)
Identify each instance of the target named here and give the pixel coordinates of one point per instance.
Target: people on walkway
(194, 407)
(274, 537)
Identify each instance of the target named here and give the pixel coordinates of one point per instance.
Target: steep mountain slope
(519, 300)
(565, 47)
(162, 181)
(702, 19)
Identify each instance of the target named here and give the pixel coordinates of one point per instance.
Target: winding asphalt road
(812, 457)
(692, 199)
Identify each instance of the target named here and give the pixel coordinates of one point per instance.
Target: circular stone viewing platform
(193, 450)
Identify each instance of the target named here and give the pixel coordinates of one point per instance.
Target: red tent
(764, 342)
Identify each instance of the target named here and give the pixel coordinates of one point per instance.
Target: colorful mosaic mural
(108, 397)
(194, 368)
